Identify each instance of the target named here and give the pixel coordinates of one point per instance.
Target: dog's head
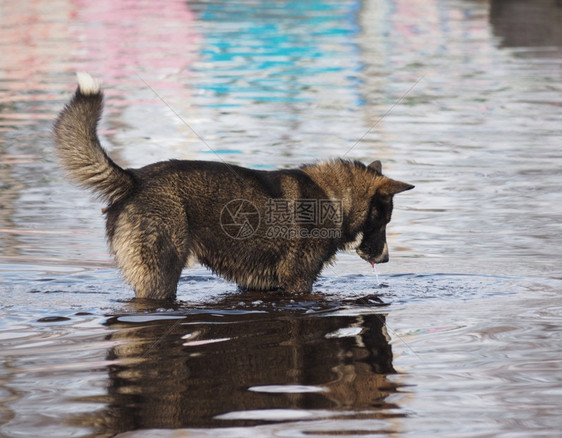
(373, 247)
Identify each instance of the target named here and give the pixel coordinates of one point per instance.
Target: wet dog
(262, 229)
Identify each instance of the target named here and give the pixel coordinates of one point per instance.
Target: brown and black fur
(164, 215)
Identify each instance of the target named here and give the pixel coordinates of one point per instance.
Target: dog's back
(216, 214)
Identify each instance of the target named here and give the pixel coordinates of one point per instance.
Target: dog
(264, 230)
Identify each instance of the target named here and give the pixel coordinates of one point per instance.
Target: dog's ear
(390, 187)
(377, 165)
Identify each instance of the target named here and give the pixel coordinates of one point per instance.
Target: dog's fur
(163, 215)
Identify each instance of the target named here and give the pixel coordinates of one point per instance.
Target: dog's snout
(383, 257)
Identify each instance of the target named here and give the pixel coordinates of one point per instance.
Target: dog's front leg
(298, 272)
(298, 278)
(297, 285)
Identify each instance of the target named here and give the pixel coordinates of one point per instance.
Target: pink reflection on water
(123, 37)
(113, 39)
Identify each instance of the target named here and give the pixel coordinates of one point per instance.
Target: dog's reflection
(189, 369)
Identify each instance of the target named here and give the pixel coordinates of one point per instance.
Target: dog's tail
(79, 148)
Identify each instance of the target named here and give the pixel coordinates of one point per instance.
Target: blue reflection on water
(280, 55)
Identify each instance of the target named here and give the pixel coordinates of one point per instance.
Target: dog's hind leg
(150, 256)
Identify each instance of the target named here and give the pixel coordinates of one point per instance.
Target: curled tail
(79, 148)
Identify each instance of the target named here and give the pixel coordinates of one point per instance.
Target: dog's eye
(374, 213)
(381, 210)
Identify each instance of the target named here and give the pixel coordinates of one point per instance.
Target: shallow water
(461, 337)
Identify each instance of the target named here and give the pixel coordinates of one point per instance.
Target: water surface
(461, 333)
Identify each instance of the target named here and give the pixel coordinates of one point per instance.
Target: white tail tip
(87, 84)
